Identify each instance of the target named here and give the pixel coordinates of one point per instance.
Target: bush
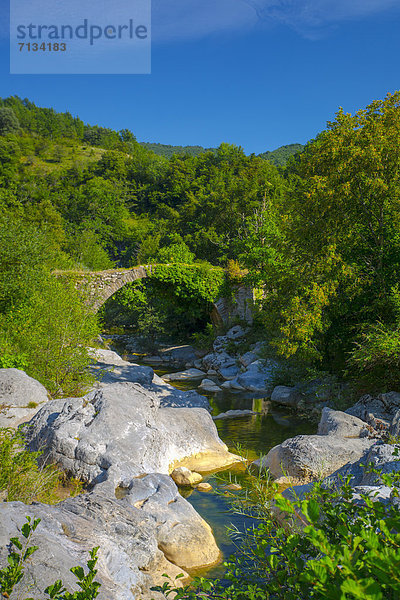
(175, 253)
(376, 357)
(234, 272)
(51, 331)
(324, 547)
(20, 476)
(204, 339)
(8, 360)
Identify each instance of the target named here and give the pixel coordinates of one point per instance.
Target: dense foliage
(45, 325)
(108, 200)
(328, 256)
(168, 151)
(173, 304)
(318, 237)
(281, 155)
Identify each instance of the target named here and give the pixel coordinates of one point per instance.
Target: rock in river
(336, 422)
(306, 458)
(187, 375)
(120, 431)
(184, 477)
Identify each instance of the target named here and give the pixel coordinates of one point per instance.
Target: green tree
(52, 330)
(8, 121)
(175, 253)
(335, 255)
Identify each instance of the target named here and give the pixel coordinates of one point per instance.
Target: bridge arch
(99, 286)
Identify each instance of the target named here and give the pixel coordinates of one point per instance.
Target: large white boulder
(151, 531)
(306, 458)
(21, 397)
(121, 431)
(341, 424)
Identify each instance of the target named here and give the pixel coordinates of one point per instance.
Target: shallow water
(254, 435)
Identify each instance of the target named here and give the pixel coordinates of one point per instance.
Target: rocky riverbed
(234, 366)
(123, 439)
(134, 429)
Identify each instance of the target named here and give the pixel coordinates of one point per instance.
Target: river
(256, 435)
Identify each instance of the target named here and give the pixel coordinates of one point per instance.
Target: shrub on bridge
(175, 300)
(193, 281)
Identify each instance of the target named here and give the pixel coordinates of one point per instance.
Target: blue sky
(257, 73)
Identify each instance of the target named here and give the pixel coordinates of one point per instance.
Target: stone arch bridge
(99, 286)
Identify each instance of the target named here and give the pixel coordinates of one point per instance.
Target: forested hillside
(168, 151)
(281, 155)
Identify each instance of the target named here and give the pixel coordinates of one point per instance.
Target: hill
(281, 155)
(167, 150)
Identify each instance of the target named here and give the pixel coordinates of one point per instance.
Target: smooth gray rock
(111, 368)
(17, 390)
(306, 458)
(257, 376)
(228, 373)
(135, 535)
(184, 477)
(120, 432)
(168, 395)
(248, 358)
(227, 385)
(341, 424)
(235, 385)
(382, 408)
(182, 535)
(288, 396)
(234, 414)
(188, 375)
(208, 385)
